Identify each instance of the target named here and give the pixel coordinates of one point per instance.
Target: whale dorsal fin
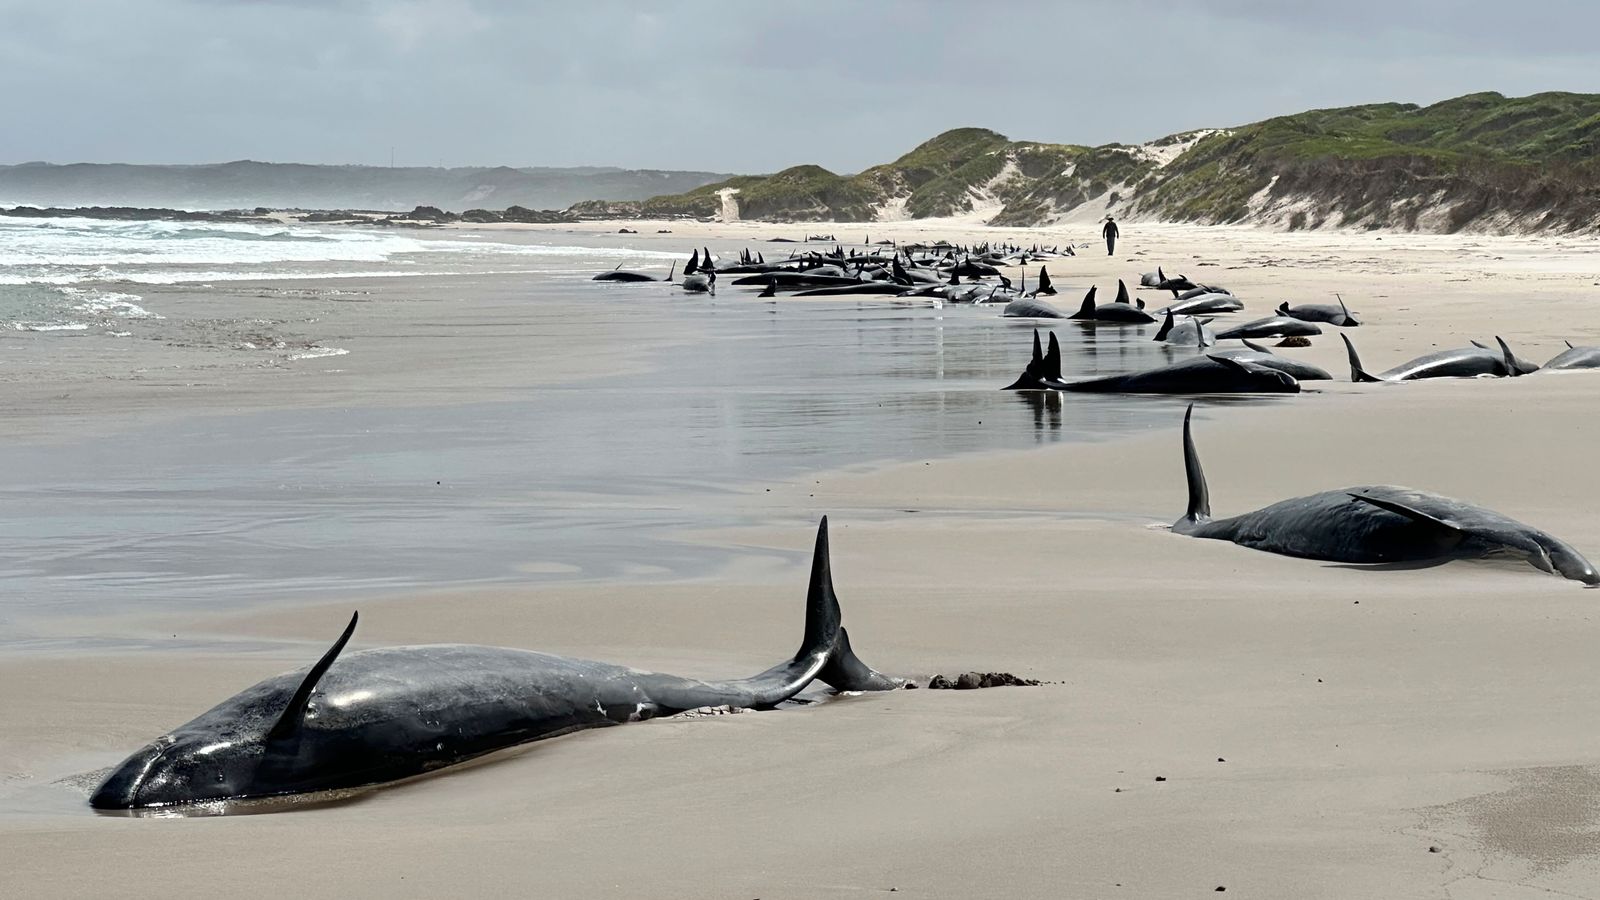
(1254, 346)
(1087, 309)
(1415, 515)
(289, 721)
(1346, 309)
(1052, 359)
(1569, 345)
(1479, 344)
(1200, 332)
(672, 270)
(1166, 327)
(1141, 303)
(1038, 348)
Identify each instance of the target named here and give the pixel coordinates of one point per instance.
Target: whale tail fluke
(1045, 287)
(842, 670)
(1086, 309)
(822, 605)
(1357, 374)
(1199, 510)
(1037, 369)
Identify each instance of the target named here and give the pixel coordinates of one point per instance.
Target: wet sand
(1318, 728)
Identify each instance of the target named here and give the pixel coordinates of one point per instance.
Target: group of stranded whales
(375, 716)
(942, 272)
(372, 717)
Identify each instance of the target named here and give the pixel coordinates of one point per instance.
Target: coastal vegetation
(1478, 161)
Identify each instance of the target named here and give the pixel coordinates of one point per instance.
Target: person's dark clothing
(1111, 233)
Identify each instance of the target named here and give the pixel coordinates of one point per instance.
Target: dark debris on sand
(968, 681)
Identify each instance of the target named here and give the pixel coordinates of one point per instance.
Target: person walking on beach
(1110, 232)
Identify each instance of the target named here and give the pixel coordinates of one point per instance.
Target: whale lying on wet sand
(1270, 327)
(376, 716)
(622, 275)
(1576, 358)
(1114, 313)
(1462, 362)
(1375, 524)
(1202, 375)
(1203, 303)
(1320, 312)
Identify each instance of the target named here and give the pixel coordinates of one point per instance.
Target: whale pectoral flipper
(1229, 362)
(289, 721)
(1415, 515)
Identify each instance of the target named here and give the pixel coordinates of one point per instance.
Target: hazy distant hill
(1482, 161)
(249, 184)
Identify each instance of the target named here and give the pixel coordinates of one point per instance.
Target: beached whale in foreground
(1375, 524)
(380, 715)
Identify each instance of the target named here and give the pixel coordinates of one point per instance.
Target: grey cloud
(724, 86)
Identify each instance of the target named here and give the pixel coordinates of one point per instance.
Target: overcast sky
(728, 87)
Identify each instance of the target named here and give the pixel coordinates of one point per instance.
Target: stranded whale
(1375, 524)
(380, 715)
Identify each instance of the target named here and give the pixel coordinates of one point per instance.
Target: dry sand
(1365, 717)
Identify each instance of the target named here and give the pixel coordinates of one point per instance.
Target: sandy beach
(1213, 717)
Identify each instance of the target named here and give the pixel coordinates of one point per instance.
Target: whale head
(187, 766)
(255, 744)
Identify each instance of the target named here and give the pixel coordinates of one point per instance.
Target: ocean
(594, 478)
